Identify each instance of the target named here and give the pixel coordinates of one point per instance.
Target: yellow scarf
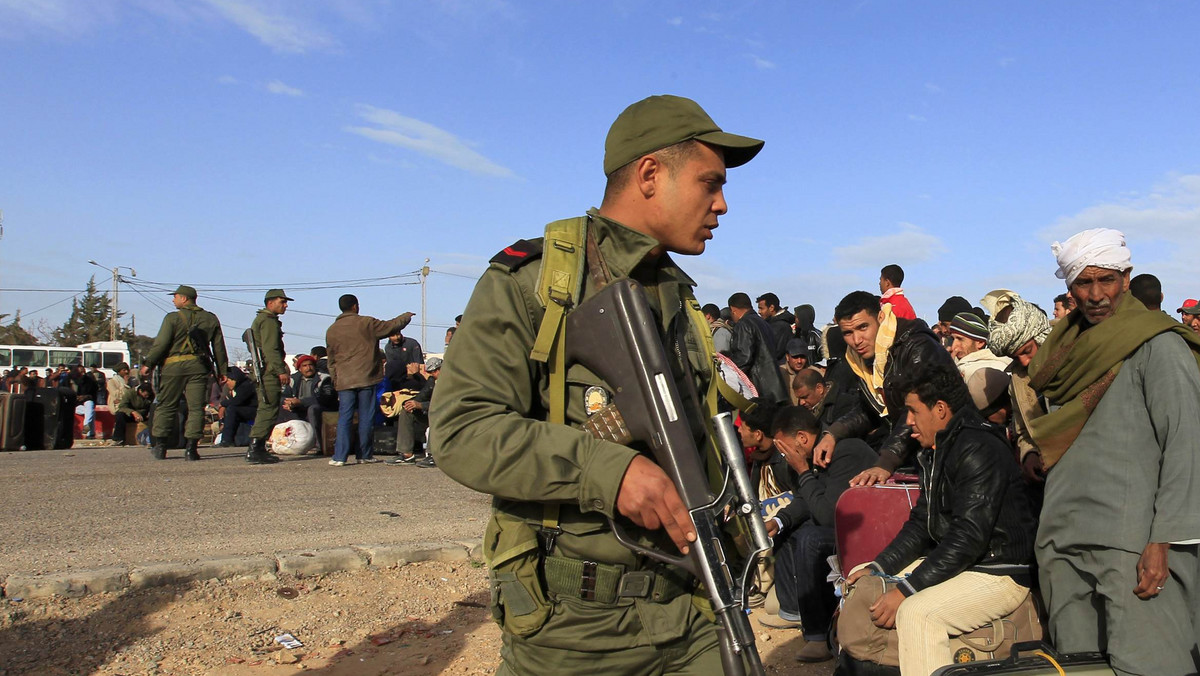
(873, 377)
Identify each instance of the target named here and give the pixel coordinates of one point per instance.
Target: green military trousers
(194, 388)
(694, 654)
(268, 407)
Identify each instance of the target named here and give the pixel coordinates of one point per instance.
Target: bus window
(29, 357)
(91, 358)
(5, 357)
(64, 357)
(111, 359)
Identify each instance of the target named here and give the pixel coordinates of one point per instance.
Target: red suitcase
(868, 517)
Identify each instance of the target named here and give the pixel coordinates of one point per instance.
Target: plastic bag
(294, 437)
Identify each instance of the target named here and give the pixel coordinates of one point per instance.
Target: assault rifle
(615, 335)
(258, 363)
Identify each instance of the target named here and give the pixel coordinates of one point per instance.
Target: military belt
(607, 583)
(176, 358)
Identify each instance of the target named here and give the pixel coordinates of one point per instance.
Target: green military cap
(659, 121)
(276, 293)
(185, 290)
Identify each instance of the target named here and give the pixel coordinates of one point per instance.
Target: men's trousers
(194, 388)
(234, 417)
(268, 407)
(410, 432)
(120, 421)
(1089, 596)
(362, 400)
(801, 566)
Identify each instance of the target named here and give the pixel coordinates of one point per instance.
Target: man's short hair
(740, 301)
(808, 377)
(1147, 288)
(893, 273)
(1063, 299)
(769, 298)
(854, 303)
(458, 319)
(793, 419)
(672, 158)
(347, 302)
(759, 417)
(938, 382)
(144, 387)
(319, 352)
(712, 310)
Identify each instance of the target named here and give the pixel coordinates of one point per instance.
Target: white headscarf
(1101, 247)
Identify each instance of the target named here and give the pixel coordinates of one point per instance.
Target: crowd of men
(1059, 456)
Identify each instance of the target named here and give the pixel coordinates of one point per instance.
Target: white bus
(104, 355)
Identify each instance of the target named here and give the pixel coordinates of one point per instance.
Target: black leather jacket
(973, 513)
(750, 349)
(913, 348)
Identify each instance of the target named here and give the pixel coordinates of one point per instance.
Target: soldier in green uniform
(268, 335)
(568, 596)
(189, 347)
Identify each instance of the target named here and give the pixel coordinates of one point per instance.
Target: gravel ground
(415, 620)
(89, 507)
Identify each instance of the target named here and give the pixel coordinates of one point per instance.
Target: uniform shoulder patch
(518, 254)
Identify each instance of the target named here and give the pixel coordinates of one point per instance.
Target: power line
(41, 290)
(57, 302)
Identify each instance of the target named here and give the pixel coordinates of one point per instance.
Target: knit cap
(969, 325)
(953, 306)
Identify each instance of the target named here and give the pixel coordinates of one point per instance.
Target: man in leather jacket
(964, 554)
(904, 345)
(750, 350)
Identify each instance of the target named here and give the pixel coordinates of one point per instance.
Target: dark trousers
(120, 420)
(234, 417)
(800, 584)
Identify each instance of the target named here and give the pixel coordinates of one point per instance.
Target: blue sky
(253, 143)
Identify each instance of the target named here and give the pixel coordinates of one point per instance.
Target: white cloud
(57, 16)
(395, 129)
(675, 21)
(271, 26)
(932, 88)
(916, 118)
(227, 80)
(278, 87)
(761, 63)
(1170, 212)
(909, 245)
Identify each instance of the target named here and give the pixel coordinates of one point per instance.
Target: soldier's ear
(648, 171)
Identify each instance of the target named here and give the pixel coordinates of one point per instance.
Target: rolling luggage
(12, 421)
(50, 419)
(1034, 658)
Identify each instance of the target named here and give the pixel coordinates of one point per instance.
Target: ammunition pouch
(519, 604)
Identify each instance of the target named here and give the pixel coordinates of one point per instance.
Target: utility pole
(116, 280)
(424, 276)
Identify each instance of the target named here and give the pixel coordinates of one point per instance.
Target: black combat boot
(159, 449)
(190, 450)
(258, 453)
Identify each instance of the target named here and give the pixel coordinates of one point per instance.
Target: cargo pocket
(518, 600)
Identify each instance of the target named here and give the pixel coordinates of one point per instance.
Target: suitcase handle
(1030, 647)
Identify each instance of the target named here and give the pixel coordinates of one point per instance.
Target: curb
(78, 583)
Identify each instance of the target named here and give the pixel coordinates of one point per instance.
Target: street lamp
(112, 324)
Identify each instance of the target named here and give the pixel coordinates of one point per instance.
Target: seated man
(801, 563)
(134, 405)
(308, 395)
(86, 391)
(969, 345)
(240, 406)
(966, 549)
(405, 377)
(418, 406)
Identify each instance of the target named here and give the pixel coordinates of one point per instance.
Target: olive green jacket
(489, 429)
(132, 400)
(268, 333)
(173, 341)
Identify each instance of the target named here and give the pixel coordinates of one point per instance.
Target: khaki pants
(268, 407)
(192, 387)
(964, 603)
(695, 654)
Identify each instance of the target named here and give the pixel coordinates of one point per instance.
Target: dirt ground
(416, 620)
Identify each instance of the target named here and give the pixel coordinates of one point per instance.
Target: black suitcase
(12, 421)
(1034, 658)
(50, 419)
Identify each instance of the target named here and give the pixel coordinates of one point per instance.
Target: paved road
(93, 506)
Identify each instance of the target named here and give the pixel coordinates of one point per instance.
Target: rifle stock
(615, 335)
(258, 363)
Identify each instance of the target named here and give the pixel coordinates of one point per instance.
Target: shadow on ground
(50, 647)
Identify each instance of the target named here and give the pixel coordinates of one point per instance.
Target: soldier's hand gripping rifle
(258, 363)
(615, 335)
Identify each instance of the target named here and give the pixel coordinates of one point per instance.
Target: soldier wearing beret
(268, 335)
(568, 596)
(189, 347)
